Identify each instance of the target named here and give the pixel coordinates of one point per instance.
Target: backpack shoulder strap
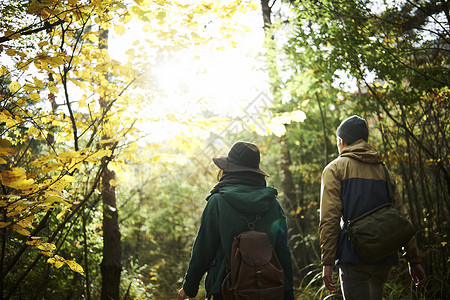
(251, 225)
(388, 183)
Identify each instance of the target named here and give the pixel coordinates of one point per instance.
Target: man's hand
(327, 276)
(417, 274)
(182, 294)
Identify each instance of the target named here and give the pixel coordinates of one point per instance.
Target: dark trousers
(360, 282)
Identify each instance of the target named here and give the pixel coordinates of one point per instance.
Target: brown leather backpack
(255, 271)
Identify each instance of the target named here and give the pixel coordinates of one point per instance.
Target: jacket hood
(360, 150)
(249, 199)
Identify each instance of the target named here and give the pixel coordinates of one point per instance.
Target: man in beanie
(352, 185)
(241, 194)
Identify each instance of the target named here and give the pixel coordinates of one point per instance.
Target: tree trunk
(324, 130)
(86, 260)
(112, 249)
(111, 266)
(287, 181)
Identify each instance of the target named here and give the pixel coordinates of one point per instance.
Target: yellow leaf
(78, 83)
(56, 261)
(147, 27)
(3, 162)
(53, 89)
(47, 253)
(130, 52)
(196, 37)
(35, 97)
(60, 183)
(298, 116)
(99, 154)
(136, 10)
(45, 14)
(21, 101)
(171, 117)
(277, 128)
(161, 15)
(16, 178)
(75, 267)
(47, 246)
(68, 178)
(113, 140)
(5, 143)
(61, 214)
(120, 29)
(33, 242)
(26, 222)
(4, 224)
(10, 52)
(6, 151)
(14, 86)
(21, 230)
(93, 38)
(33, 131)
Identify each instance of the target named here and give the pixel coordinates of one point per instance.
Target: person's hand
(417, 274)
(327, 276)
(182, 294)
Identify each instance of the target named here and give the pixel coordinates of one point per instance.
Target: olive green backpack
(380, 231)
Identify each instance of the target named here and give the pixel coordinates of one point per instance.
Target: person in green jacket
(241, 189)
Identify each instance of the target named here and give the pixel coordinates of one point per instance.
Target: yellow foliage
(75, 266)
(59, 183)
(10, 51)
(78, 83)
(120, 29)
(61, 214)
(34, 242)
(16, 178)
(21, 230)
(42, 184)
(6, 150)
(46, 247)
(26, 222)
(35, 97)
(56, 261)
(42, 160)
(4, 224)
(53, 89)
(14, 86)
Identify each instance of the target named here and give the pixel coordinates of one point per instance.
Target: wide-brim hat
(242, 157)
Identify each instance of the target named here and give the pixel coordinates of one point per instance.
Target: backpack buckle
(251, 225)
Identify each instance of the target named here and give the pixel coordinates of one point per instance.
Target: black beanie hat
(353, 129)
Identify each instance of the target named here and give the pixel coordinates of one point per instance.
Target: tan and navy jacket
(353, 184)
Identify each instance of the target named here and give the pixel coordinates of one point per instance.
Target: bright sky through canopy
(205, 78)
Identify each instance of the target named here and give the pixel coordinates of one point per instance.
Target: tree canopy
(104, 170)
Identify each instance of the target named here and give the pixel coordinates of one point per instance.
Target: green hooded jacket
(221, 222)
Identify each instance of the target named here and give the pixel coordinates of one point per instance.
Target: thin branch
(47, 25)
